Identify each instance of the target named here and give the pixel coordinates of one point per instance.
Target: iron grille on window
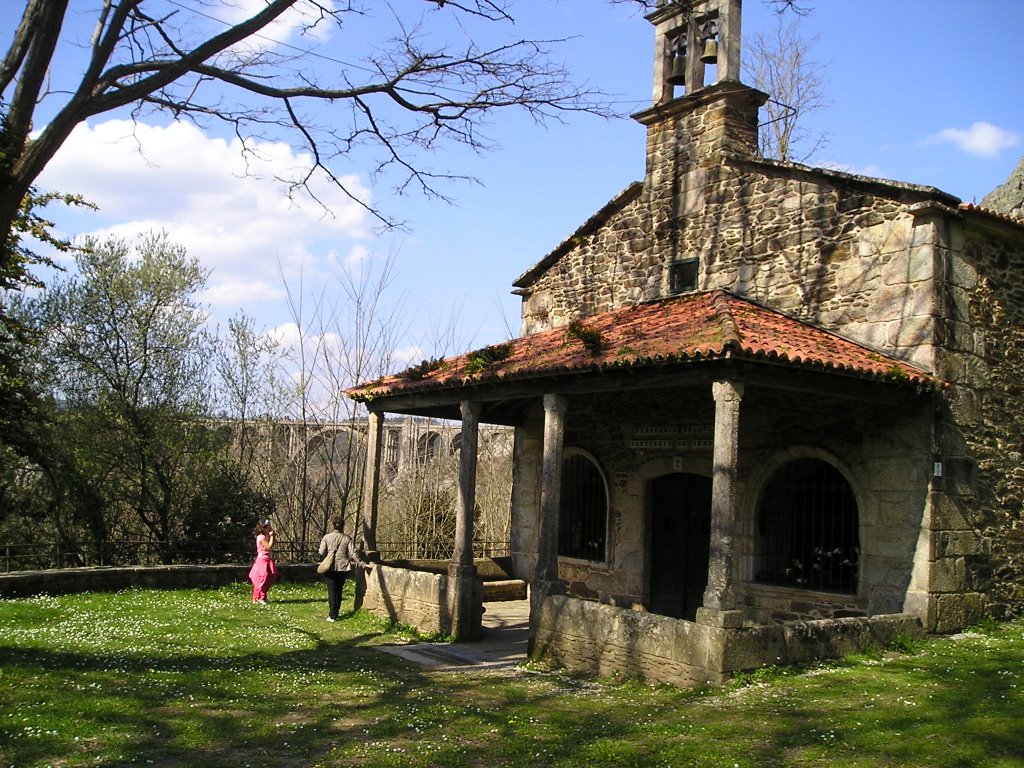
(584, 510)
(809, 529)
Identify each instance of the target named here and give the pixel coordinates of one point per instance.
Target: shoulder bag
(327, 563)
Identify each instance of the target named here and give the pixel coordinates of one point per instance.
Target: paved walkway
(502, 644)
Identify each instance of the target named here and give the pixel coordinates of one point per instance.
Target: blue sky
(922, 91)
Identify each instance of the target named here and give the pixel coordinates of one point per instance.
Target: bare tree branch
(405, 96)
(778, 64)
(798, 7)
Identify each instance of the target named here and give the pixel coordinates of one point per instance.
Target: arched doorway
(680, 506)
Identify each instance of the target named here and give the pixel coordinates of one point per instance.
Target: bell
(710, 55)
(678, 74)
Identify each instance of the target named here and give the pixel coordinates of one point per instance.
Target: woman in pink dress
(263, 573)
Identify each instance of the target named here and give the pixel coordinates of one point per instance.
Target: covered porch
(691, 361)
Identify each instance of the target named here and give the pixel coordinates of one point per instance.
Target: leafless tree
(201, 61)
(418, 496)
(779, 64)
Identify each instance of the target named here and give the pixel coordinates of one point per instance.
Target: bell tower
(701, 110)
(696, 43)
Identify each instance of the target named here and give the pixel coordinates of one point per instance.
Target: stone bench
(495, 574)
(504, 589)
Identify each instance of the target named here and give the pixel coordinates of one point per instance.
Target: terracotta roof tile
(1006, 218)
(710, 325)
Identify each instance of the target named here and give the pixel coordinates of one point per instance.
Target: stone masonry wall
(830, 250)
(417, 598)
(64, 581)
(599, 639)
(986, 417)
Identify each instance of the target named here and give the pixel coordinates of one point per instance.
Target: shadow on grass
(195, 710)
(341, 703)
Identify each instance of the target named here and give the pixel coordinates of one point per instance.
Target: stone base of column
(464, 603)
(721, 619)
(539, 590)
(359, 578)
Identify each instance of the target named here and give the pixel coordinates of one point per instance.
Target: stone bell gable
(853, 253)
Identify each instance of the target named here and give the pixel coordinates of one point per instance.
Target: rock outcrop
(1008, 198)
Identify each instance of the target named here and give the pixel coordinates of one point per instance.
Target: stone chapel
(763, 412)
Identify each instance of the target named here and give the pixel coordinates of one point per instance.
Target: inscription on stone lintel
(672, 437)
(646, 430)
(670, 444)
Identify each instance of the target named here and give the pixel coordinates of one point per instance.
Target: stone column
(462, 605)
(719, 606)
(729, 16)
(371, 494)
(371, 478)
(545, 579)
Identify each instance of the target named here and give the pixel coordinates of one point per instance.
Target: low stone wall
(495, 573)
(109, 579)
(487, 568)
(594, 638)
(415, 597)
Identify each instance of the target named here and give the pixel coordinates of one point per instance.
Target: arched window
(583, 517)
(391, 449)
(456, 445)
(427, 446)
(808, 529)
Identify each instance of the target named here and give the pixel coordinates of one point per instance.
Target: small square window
(682, 275)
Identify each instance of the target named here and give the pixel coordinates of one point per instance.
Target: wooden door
(680, 541)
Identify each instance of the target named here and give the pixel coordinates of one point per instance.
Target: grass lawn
(205, 678)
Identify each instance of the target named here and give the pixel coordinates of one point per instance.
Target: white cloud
(303, 19)
(982, 139)
(224, 205)
(872, 171)
(357, 256)
(408, 355)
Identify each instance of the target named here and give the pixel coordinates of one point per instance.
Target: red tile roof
(1006, 218)
(710, 325)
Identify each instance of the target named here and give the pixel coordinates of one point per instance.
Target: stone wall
(108, 579)
(418, 598)
(828, 248)
(592, 638)
(495, 574)
(403, 596)
(986, 436)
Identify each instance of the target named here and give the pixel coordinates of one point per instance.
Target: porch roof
(712, 325)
